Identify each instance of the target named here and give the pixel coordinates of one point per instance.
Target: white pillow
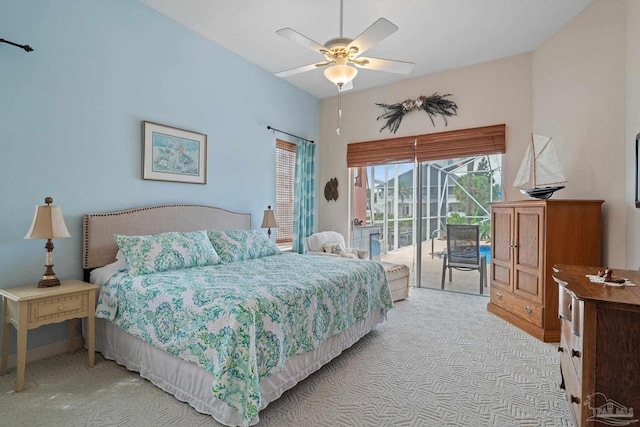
(102, 274)
(349, 253)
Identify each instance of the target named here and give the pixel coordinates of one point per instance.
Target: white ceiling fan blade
(296, 37)
(302, 69)
(399, 67)
(376, 32)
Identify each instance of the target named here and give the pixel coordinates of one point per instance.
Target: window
(285, 178)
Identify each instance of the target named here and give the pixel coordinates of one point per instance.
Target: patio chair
(463, 253)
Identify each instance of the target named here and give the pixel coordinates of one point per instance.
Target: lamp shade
(48, 223)
(340, 74)
(269, 219)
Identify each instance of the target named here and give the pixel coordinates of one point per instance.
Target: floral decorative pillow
(238, 245)
(333, 248)
(166, 251)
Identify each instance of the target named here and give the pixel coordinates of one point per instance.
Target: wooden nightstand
(29, 307)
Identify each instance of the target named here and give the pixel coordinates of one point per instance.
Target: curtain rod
(26, 47)
(290, 134)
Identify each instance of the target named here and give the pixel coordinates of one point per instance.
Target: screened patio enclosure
(457, 191)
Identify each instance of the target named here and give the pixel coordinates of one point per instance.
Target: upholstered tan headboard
(99, 247)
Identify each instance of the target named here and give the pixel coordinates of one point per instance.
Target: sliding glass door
(411, 219)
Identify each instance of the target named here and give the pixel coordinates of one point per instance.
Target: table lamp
(48, 223)
(269, 221)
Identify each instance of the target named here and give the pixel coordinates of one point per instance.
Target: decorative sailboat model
(540, 171)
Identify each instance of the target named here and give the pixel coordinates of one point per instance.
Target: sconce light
(48, 223)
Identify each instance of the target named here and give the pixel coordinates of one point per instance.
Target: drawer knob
(570, 307)
(560, 349)
(529, 309)
(61, 308)
(575, 399)
(499, 295)
(575, 353)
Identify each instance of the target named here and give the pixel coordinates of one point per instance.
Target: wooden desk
(29, 307)
(599, 345)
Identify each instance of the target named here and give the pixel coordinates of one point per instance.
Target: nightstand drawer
(61, 306)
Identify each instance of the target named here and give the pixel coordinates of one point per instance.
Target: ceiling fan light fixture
(340, 74)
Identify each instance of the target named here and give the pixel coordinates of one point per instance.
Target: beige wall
(487, 94)
(581, 86)
(579, 99)
(633, 128)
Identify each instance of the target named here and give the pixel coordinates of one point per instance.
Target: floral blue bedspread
(242, 321)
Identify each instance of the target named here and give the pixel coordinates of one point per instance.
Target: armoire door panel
(501, 276)
(502, 235)
(527, 285)
(528, 240)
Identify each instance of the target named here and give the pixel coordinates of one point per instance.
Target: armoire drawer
(525, 309)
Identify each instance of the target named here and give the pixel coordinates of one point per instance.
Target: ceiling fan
(342, 54)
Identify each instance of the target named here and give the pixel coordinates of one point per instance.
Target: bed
(229, 337)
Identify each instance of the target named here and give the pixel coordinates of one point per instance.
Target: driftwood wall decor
(433, 105)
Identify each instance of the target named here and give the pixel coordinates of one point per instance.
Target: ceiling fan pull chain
(339, 108)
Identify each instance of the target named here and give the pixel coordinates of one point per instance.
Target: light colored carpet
(440, 360)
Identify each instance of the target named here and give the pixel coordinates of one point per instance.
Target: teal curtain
(304, 195)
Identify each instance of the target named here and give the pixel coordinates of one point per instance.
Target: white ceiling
(435, 34)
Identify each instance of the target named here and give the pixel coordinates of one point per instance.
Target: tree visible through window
(285, 179)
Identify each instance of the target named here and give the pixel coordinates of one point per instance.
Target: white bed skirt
(191, 384)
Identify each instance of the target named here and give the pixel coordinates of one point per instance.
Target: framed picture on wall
(172, 154)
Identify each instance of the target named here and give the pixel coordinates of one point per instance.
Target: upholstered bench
(398, 278)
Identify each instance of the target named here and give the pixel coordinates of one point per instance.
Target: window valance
(431, 146)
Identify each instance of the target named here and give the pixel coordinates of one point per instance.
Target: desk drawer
(572, 384)
(572, 342)
(62, 307)
(525, 309)
(565, 328)
(564, 304)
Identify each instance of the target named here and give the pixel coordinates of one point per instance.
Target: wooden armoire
(527, 238)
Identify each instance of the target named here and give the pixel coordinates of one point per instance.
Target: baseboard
(45, 351)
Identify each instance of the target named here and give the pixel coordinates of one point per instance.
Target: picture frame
(173, 154)
(638, 170)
